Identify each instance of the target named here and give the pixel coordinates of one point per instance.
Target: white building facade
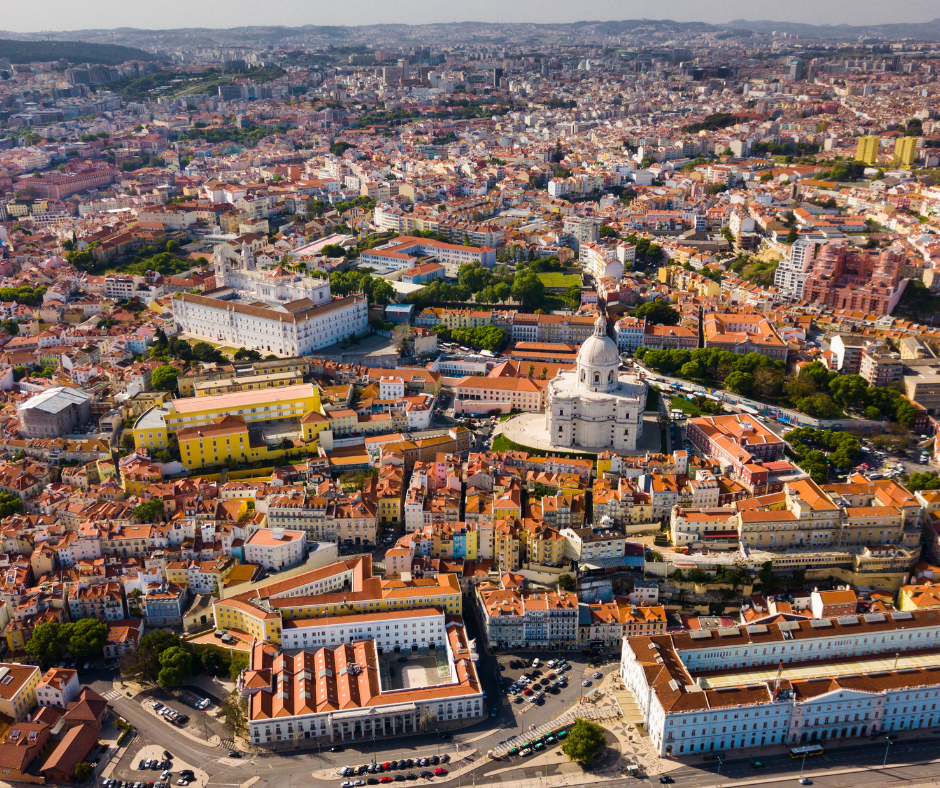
(595, 406)
(688, 708)
(294, 328)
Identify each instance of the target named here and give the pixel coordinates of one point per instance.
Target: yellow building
(290, 402)
(225, 438)
(273, 380)
(905, 152)
(18, 689)
(867, 149)
(150, 430)
(919, 597)
(313, 424)
(344, 588)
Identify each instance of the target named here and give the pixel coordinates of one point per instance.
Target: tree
(48, 642)
(151, 646)
(566, 582)
(658, 313)
(83, 771)
(205, 352)
(210, 661)
(584, 741)
(382, 292)
(149, 511)
(247, 354)
(175, 664)
(740, 383)
(528, 289)
(11, 327)
(87, 637)
(164, 378)
(9, 504)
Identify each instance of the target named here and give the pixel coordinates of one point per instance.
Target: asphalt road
(293, 769)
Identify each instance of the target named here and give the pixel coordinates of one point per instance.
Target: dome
(598, 352)
(598, 360)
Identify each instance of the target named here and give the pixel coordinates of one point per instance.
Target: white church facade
(596, 406)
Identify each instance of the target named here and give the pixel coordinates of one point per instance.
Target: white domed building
(596, 406)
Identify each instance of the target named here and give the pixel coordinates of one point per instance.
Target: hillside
(73, 51)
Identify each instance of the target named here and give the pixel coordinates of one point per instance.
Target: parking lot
(426, 768)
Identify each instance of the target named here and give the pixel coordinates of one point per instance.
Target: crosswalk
(111, 695)
(227, 744)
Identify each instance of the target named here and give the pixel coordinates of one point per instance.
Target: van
(535, 662)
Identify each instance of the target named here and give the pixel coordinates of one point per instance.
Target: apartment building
(58, 687)
(743, 333)
(541, 619)
(18, 685)
(275, 548)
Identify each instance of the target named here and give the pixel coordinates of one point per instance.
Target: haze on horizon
(64, 15)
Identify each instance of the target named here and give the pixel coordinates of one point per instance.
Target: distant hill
(73, 51)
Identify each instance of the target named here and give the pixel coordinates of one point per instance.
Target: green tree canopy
(566, 582)
(528, 289)
(9, 504)
(149, 511)
(658, 313)
(48, 642)
(585, 740)
(87, 637)
(164, 378)
(175, 664)
(147, 664)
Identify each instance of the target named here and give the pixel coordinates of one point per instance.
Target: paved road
(294, 769)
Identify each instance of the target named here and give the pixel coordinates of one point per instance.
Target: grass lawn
(502, 443)
(558, 279)
(688, 408)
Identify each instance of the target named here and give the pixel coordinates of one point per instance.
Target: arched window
(583, 373)
(610, 377)
(597, 377)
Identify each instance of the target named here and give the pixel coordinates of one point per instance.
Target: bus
(808, 750)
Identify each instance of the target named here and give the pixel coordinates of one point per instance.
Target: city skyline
(215, 14)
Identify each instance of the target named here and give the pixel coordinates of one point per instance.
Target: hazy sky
(86, 14)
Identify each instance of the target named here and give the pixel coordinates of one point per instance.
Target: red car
(440, 771)
(550, 676)
(526, 691)
(387, 766)
(385, 779)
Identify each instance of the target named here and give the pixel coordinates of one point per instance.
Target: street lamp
(718, 773)
(887, 750)
(803, 764)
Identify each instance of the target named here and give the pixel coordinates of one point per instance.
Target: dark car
(399, 778)
(372, 781)
(337, 748)
(409, 763)
(445, 758)
(665, 779)
(182, 719)
(167, 754)
(426, 775)
(411, 776)
(445, 736)
(435, 760)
